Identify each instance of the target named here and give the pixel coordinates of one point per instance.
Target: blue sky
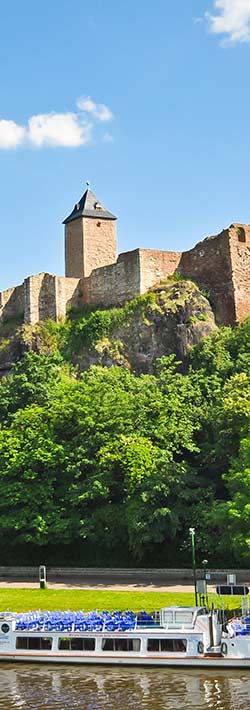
(149, 101)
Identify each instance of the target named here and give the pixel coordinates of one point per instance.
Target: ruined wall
(11, 303)
(49, 296)
(68, 295)
(209, 264)
(155, 266)
(114, 284)
(239, 245)
(39, 298)
(133, 274)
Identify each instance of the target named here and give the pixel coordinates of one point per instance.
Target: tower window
(241, 234)
(98, 224)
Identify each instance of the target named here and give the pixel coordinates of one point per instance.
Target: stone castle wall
(89, 244)
(74, 249)
(100, 245)
(49, 296)
(239, 246)
(68, 293)
(40, 297)
(134, 273)
(12, 302)
(155, 266)
(114, 284)
(209, 264)
(219, 264)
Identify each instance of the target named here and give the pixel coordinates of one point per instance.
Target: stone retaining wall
(124, 574)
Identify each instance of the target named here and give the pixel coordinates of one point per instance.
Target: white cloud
(68, 130)
(11, 135)
(58, 129)
(232, 20)
(100, 112)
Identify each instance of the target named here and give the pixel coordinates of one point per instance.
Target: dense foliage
(113, 468)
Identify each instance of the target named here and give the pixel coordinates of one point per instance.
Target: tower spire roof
(89, 206)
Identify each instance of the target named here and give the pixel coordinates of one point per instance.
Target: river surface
(92, 688)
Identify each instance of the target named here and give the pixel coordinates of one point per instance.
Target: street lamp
(192, 533)
(204, 564)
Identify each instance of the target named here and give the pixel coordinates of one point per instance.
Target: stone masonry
(90, 237)
(94, 275)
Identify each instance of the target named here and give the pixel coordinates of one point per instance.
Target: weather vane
(87, 183)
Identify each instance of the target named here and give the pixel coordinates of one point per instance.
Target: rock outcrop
(178, 318)
(171, 319)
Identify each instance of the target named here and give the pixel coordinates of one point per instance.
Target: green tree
(32, 381)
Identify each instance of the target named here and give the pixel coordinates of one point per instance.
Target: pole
(205, 563)
(42, 577)
(192, 533)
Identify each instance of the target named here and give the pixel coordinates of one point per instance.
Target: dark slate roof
(89, 206)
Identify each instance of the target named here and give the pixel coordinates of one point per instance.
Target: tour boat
(174, 636)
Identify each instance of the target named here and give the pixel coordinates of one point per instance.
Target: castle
(95, 275)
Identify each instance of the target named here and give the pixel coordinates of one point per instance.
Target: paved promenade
(161, 580)
(105, 586)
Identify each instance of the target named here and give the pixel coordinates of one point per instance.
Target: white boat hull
(140, 660)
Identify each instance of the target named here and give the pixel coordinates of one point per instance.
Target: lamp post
(192, 533)
(205, 563)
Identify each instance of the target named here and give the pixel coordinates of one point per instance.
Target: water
(92, 688)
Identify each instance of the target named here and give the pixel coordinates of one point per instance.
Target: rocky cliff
(170, 319)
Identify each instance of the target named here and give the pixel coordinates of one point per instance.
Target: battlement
(219, 264)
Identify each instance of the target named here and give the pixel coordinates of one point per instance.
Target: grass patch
(197, 318)
(51, 599)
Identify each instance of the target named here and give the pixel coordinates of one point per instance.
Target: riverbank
(50, 599)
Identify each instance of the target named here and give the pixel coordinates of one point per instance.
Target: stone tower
(90, 237)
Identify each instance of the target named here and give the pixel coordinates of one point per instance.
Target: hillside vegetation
(111, 465)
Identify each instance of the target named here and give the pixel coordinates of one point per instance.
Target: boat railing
(145, 620)
(104, 621)
(97, 621)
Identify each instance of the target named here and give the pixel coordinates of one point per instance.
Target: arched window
(241, 234)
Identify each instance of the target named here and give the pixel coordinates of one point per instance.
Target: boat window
(167, 645)
(108, 645)
(22, 642)
(76, 644)
(34, 643)
(183, 617)
(153, 644)
(121, 644)
(167, 617)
